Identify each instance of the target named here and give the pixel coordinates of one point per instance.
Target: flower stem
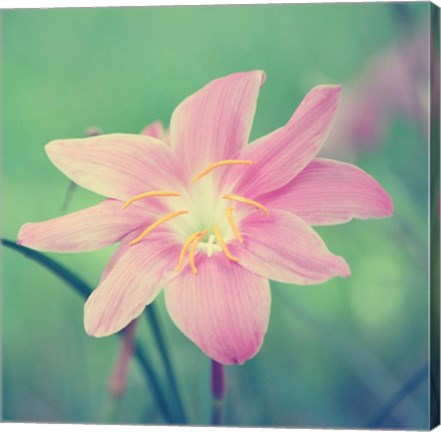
(218, 392)
(165, 356)
(118, 378)
(84, 289)
(69, 195)
(158, 393)
(110, 413)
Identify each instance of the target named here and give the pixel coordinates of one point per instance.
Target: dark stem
(165, 356)
(84, 290)
(157, 393)
(62, 272)
(69, 195)
(218, 392)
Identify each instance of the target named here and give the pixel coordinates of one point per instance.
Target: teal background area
(335, 353)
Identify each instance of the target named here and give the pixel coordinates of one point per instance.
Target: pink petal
(118, 165)
(133, 283)
(214, 123)
(155, 130)
(328, 192)
(282, 247)
(123, 247)
(281, 155)
(224, 309)
(90, 229)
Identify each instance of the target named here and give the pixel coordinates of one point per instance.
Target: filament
(219, 164)
(184, 250)
(247, 201)
(233, 225)
(199, 236)
(156, 224)
(149, 194)
(222, 244)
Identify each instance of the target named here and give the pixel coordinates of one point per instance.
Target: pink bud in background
(118, 378)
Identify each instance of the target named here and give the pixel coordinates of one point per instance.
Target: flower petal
(224, 309)
(282, 247)
(214, 123)
(133, 283)
(118, 165)
(89, 229)
(328, 192)
(122, 248)
(282, 154)
(155, 130)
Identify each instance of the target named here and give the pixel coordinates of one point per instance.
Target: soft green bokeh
(334, 353)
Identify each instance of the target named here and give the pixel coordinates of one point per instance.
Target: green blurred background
(335, 353)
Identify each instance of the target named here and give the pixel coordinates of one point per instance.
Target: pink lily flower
(208, 218)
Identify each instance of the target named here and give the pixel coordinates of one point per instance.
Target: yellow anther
(247, 201)
(200, 235)
(219, 164)
(222, 244)
(150, 194)
(233, 225)
(156, 224)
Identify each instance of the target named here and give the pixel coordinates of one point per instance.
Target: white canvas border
(16, 4)
(28, 4)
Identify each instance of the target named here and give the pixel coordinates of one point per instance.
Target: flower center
(211, 217)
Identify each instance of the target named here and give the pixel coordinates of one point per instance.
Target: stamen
(222, 244)
(149, 194)
(233, 225)
(184, 250)
(247, 201)
(156, 224)
(200, 235)
(219, 164)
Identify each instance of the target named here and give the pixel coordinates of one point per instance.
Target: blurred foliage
(335, 353)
